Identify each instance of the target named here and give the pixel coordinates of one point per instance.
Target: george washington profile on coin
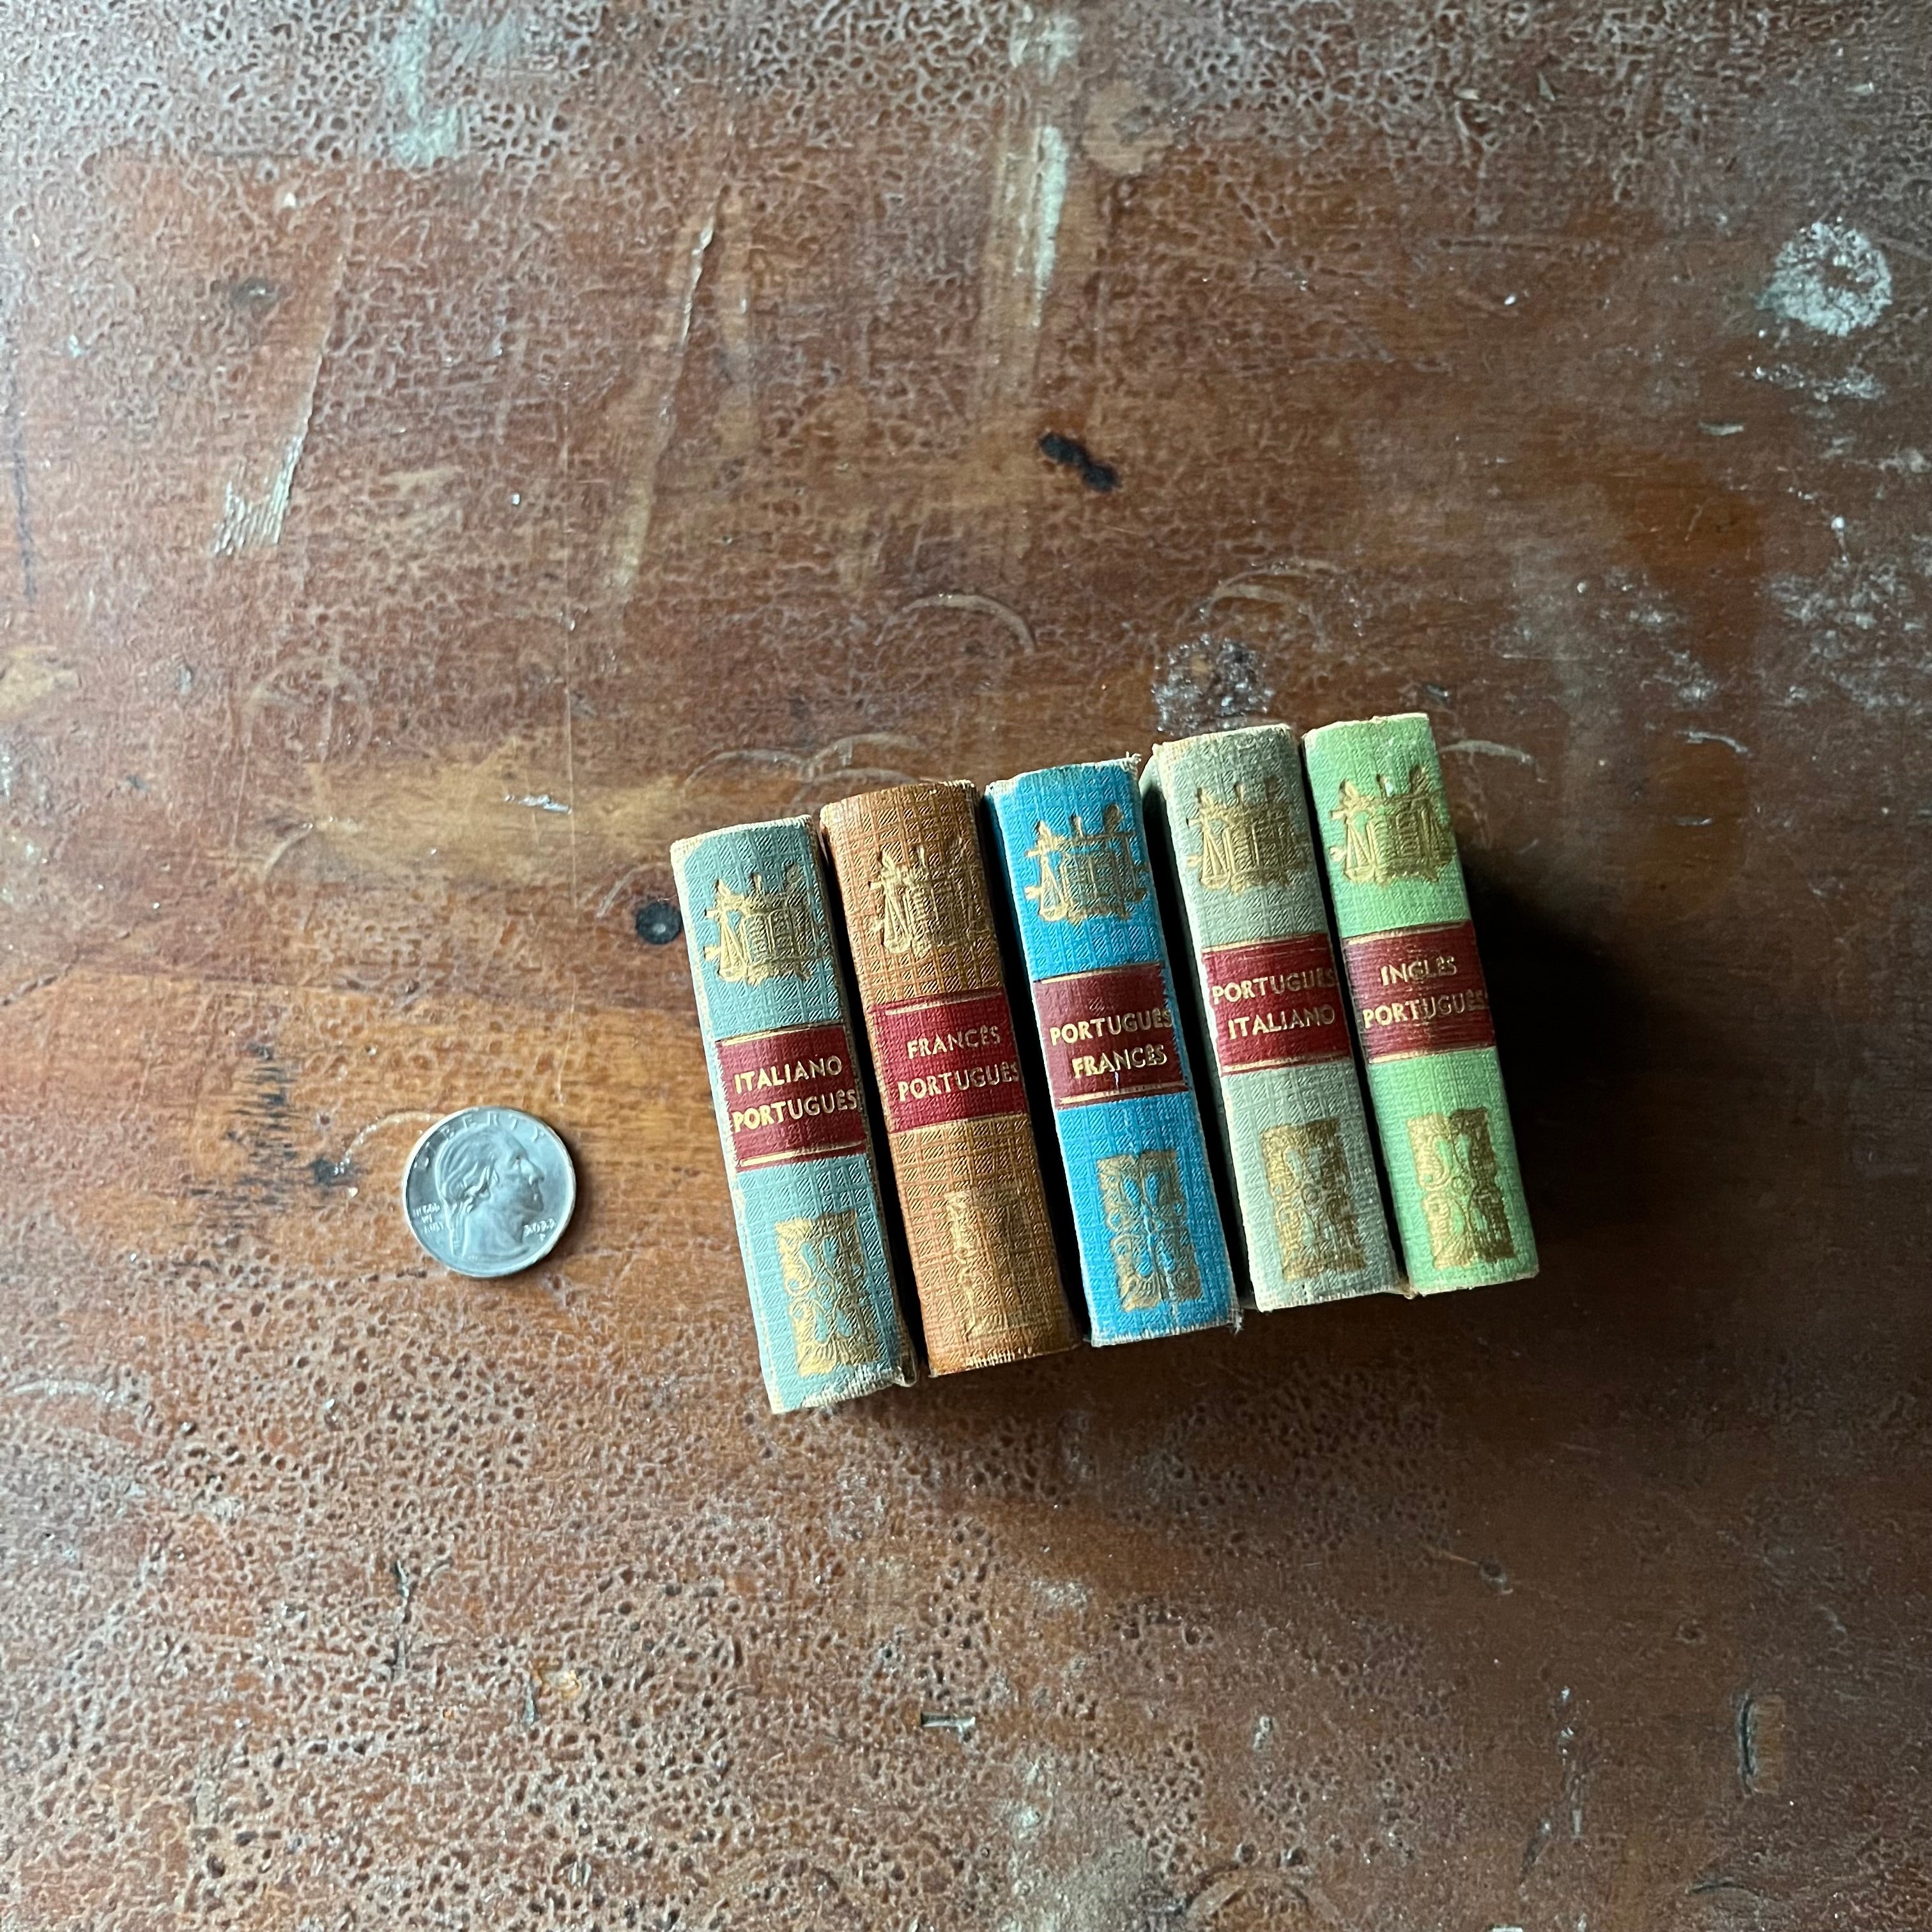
(488, 1190)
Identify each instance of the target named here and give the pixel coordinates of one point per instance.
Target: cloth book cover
(926, 957)
(785, 1080)
(1421, 1006)
(1073, 851)
(1229, 822)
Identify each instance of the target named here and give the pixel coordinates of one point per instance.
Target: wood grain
(449, 452)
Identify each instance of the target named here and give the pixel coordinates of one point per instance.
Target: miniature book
(1420, 1003)
(946, 1057)
(792, 1118)
(1280, 1074)
(1153, 1260)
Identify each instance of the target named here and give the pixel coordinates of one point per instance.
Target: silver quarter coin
(488, 1191)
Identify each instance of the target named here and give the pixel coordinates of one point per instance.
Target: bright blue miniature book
(1153, 1260)
(791, 1114)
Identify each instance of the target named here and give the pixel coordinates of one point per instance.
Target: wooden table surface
(451, 450)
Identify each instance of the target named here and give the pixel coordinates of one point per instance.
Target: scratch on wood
(284, 846)
(1222, 1890)
(1265, 585)
(250, 520)
(846, 758)
(570, 762)
(33, 986)
(407, 1587)
(339, 1168)
(16, 460)
(56, 1387)
(1533, 1850)
(655, 407)
(967, 600)
(1031, 170)
(1761, 1743)
(1487, 747)
(569, 1040)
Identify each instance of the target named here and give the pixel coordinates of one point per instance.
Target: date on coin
(489, 1190)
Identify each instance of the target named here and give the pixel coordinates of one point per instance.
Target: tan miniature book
(944, 1050)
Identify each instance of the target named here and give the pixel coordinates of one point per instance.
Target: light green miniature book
(1285, 1094)
(1421, 1008)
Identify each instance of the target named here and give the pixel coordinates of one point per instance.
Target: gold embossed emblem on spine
(1087, 874)
(1307, 1169)
(1247, 842)
(823, 1264)
(926, 905)
(1147, 1220)
(763, 935)
(1455, 1170)
(982, 1246)
(1389, 835)
(986, 1232)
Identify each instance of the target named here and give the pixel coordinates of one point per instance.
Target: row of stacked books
(1082, 859)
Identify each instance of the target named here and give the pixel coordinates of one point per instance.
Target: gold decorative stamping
(1247, 843)
(1087, 874)
(1389, 835)
(983, 1227)
(929, 905)
(1455, 1169)
(823, 1264)
(764, 935)
(1307, 1170)
(1146, 1216)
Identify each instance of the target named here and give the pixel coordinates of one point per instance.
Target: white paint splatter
(1857, 385)
(1831, 277)
(537, 801)
(424, 138)
(1038, 233)
(1866, 626)
(1046, 42)
(425, 135)
(247, 521)
(1717, 738)
(1209, 684)
(1062, 1595)
(1686, 679)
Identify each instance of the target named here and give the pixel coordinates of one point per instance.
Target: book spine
(1153, 1260)
(791, 1116)
(1421, 1006)
(1227, 814)
(926, 957)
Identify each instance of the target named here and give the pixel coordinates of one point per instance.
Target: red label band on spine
(1275, 1003)
(1419, 991)
(793, 1094)
(1108, 1034)
(951, 1058)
